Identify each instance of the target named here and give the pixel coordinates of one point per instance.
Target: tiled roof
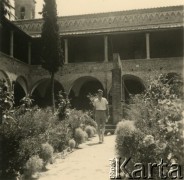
(131, 20)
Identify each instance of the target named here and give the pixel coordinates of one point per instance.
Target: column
(105, 48)
(117, 108)
(11, 43)
(29, 53)
(147, 45)
(66, 50)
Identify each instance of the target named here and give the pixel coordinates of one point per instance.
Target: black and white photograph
(91, 89)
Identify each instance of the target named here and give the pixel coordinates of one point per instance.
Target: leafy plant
(87, 120)
(158, 126)
(59, 135)
(63, 106)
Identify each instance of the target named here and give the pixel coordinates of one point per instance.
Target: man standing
(101, 113)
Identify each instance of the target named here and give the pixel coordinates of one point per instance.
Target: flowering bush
(157, 116)
(127, 139)
(23, 135)
(26, 132)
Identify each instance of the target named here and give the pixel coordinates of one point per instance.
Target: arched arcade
(80, 90)
(41, 92)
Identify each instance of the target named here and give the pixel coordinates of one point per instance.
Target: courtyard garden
(30, 135)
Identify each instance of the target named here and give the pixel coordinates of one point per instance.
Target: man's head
(100, 93)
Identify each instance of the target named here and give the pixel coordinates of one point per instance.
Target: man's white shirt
(100, 104)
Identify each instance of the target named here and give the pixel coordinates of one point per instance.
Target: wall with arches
(72, 77)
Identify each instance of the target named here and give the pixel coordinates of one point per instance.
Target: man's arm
(107, 108)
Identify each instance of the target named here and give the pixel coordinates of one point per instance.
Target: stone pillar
(66, 50)
(11, 43)
(147, 45)
(29, 53)
(105, 48)
(116, 89)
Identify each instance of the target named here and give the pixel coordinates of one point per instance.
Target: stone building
(117, 51)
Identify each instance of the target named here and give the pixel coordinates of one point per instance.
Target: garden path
(90, 162)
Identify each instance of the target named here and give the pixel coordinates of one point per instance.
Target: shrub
(63, 105)
(74, 119)
(23, 134)
(59, 135)
(90, 131)
(86, 136)
(94, 130)
(158, 128)
(87, 120)
(46, 153)
(33, 165)
(72, 144)
(126, 133)
(79, 136)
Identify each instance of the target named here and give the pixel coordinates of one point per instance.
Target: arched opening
(20, 90)
(80, 90)
(41, 93)
(4, 77)
(22, 12)
(19, 93)
(132, 85)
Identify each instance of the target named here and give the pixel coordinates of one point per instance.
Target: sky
(76, 7)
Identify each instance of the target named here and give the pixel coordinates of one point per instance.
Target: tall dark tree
(51, 45)
(5, 9)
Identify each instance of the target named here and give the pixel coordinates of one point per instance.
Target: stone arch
(4, 76)
(23, 82)
(20, 89)
(79, 90)
(132, 85)
(41, 92)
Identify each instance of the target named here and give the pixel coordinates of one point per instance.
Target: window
(22, 12)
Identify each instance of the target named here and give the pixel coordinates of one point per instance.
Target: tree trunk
(52, 92)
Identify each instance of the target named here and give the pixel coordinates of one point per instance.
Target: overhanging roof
(132, 20)
(11, 26)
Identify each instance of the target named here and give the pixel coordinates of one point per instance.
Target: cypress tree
(5, 9)
(51, 57)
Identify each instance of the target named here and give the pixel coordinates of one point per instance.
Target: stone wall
(13, 68)
(142, 68)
